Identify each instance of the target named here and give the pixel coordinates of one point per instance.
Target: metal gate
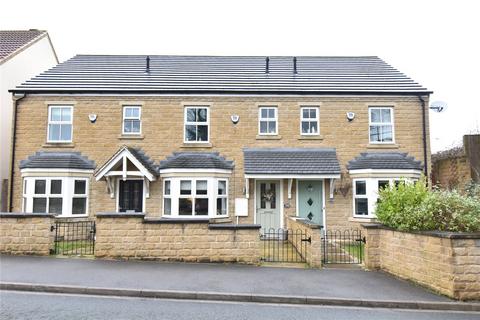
(74, 238)
(284, 245)
(343, 246)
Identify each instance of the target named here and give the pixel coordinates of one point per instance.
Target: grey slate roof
(12, 41)
(144, 159)
(384, 160)
(57, 160)
(291, 161)
(196, 160)
(222, 74)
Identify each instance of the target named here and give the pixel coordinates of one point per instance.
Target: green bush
(413, 207)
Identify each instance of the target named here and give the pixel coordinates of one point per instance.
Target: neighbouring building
(256, 139)
(23, 54)
(456, 167)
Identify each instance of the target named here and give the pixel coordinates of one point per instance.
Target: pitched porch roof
(137, 157)
(291, 162)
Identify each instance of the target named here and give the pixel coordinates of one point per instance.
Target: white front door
(268, 204)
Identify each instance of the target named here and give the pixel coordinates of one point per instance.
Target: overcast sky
(434, 42)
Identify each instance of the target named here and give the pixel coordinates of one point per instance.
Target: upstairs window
(60, 124)
(267, 121)
(132, 120)
(381, 125)
(196, 124)
(309, 121)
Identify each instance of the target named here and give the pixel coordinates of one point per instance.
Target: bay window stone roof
(384, 161)
(196, 160)
(57, 160)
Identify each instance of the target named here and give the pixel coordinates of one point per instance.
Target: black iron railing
(343, 246)
(74, 238)
(284, 245)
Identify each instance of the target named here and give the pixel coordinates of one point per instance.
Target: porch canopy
(127, 162)
(291, 163)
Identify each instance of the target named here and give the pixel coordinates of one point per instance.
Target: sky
(437, 43)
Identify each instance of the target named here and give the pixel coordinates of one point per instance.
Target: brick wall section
(313, 250)
(452, 172)
(162, 130)
(130, 237)
(26, 234)
(448, 263)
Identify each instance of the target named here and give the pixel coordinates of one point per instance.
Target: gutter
(12, 152)
(424, 131)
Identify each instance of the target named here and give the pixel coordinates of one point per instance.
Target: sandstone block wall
(133, 238)
(448, 263)
(26, 234)
(313, 249)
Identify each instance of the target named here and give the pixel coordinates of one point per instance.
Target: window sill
(197, 145)
(311, 137)
(131, 137)
(383, 146)
(362, 219)
(72, 216)
(58, 145)
(268, 137)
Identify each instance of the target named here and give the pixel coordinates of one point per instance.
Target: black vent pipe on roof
(147, 70)
(267, 65)
(295, 65)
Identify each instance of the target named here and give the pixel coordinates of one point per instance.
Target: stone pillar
(372, 234)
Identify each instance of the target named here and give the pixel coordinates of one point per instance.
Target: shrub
(413, 207)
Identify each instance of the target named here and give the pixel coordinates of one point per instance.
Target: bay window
(366, 192)
(61, 196)
(195, 197)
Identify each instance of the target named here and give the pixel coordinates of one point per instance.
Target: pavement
(221, 282)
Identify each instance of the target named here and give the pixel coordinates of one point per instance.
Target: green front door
(310, 200)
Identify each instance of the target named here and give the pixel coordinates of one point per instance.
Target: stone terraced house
(250, 140)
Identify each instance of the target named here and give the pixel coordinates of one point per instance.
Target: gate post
(316, 254)
(372, 245)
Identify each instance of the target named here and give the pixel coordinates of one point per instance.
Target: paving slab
(215, 278)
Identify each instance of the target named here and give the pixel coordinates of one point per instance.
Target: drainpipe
(12, 151)
(424, 128)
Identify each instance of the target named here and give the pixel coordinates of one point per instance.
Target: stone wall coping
(176, 220)
(307, 223)
(230, 226)
(120, 215)
(25, 215)
(438, 234)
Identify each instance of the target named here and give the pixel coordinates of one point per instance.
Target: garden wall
(313, 249)
(446, 262)
(131, 236)
(26, 233)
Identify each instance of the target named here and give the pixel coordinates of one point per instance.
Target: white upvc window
(366, 192)
(132, 123)
(268, 120)
(381, 125)
(60, 124)
(310, 121)
(199, 197)
(196, 124)
(62, 196)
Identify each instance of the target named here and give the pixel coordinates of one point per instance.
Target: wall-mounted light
(92, 117)
(350, 116)
(235, 118)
